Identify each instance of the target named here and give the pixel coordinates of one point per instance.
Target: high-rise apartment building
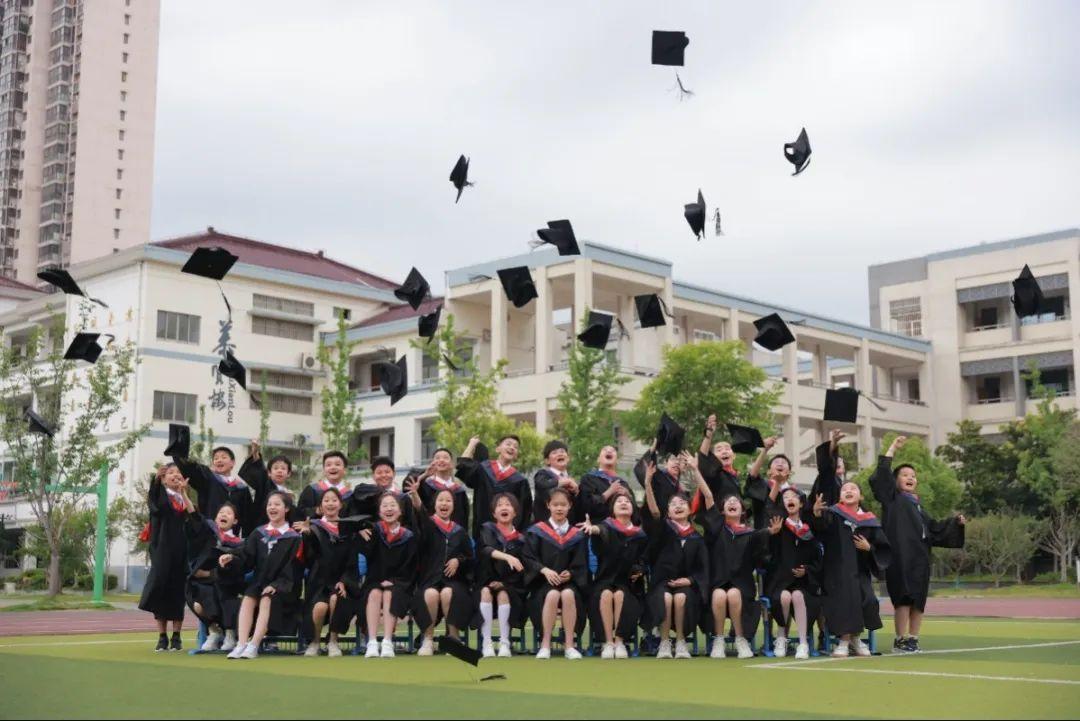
(78, 86)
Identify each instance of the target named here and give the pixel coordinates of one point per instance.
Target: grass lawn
(1045, 590)
(120, 676)
(57, 604)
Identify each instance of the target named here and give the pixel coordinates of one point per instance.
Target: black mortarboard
(179, 441)
(428, 324)
(560, 234)
(669, 436)
(597, 330)
(481, 453)
(457, 649)
(232, 368)
(841, 405)
(695, 215)
(650, 310)
(352, 524)
(518, 284)
(773, 333)
(37, 423)
(212, 263)
(84, 346)
(798, 153)
(394, 379)
(1027, 295)
(63, 280)
(668, 47)
(414, 289)
(745, 439)
(459, 176)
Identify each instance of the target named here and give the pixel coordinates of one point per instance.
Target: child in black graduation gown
(274, 552)
(856, 550)
(911, 534)
(329, 546)
(489, 478)
(266, 478)
(392, 551)
(679, 577)
(213, 593)
(599, 486)
(335, 466)
(217, 485)
(366, 496)
(163, 594)
(665, 482)
(618, 587)
(439, 476)
(554, 474)
(557, 575)
(830, 469)
(500, 576)
(793, 582)
(446, 569)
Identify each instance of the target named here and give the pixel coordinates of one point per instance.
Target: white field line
(71, 643)
(800, 664)
(970, 676)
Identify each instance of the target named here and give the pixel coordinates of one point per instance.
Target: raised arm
(707, 440)
(755, 467)
(650, 494)
(702, 486)
(882, 482)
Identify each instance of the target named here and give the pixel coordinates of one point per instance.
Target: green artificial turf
(120, 676)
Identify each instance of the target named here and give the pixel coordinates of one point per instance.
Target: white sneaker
(504, 649)
(372, 649)
(664, 649)
(212, 642)
(802, 652)
(543, 654)
(237, 652)
(250, 651)
(427, 648)
(841, 650)
(742, 647)
(387, 650)
(718, 650)
(861, 649)
(312, 650)
(608, 651)
(620, 650)
(230, 641)
(780, 647)
(487, 649)
(572, 654)
(682, 650)
(333, 650)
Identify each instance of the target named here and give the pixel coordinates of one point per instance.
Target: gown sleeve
(285, 574)
(579, 566)
(825, 482)
(466, 471)
(946, 534)
(157, 499)
(882, 482)
(531, 558)
(880, 552)
(197, 475)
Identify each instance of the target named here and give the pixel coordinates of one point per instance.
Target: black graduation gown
(911, 534)
(827, 484)
(720, 482)
(429, 488)
(787, 550)
(675, 554)
(163, 594)
(544, 548)
(328, 550)
(364, 501)
(489, 570)
(275, 558)
(591, 496)
(438, 544)
(734, 555)
(620, 554)
(311, 497)
(544, 482)
(214, 491)
(850, 602)
(394, 559)
(219, 593)
(255, 475)
(664, 487)
(480, 477)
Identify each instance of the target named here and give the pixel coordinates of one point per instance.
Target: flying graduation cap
(85, 346)
(518, 284)
(651, 310)
(213, 263)
(773, 333)
(842, 405)
(745, 439)
(38, 424)
(63, 280)
(669, 47)
(1027, 295)
(232, 368)
(798, 153)
(394, 379)
(455, 648)
(459, 176)
(428, 325)
(597, 330)
(179, 441)
(560, 234)
(669, 436)
(695, 215)
(414, 289)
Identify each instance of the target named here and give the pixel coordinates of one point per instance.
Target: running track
(35, 623)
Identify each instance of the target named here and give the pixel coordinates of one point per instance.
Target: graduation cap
(650, 310)
(63, 280)
(745, 439)
(668, 47)
(518, 284)
(457, 649)
(428, 324)
(773, 333)
(669, 436)
(1027, 295)
(695, 215)
(38, 424)
(394, 379)
(798, 153)
(352, 524)
(597, 330)
(179, 441)
(232, 368)
(459, 176)
(841, 405)
(84, 346)
(414, 289)
(560, 234)
(213, 263)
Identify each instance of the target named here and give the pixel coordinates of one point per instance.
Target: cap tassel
(872, 402)
(683, 92)
(719, 231)
(664, 306)
(623, 333)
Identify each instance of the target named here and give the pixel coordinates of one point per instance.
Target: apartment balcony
(992, 410)
(988, 335)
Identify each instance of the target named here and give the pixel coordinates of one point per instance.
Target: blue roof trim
(997, 245)
(777, 369)
(548, 256)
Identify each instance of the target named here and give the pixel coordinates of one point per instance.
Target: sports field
(972, 668)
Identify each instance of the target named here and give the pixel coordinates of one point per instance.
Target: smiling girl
(500, 575)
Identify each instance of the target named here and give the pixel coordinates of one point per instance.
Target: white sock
(504, 622)
(485, 627)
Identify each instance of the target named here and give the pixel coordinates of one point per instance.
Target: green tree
(1034, 437)
(939, 491)
(1060, 535)
(204, 442)
(341, 414)
(1001, 544)
(699, 379)
(987, 471)
(468, 399)
(586, 404)
(264, 413)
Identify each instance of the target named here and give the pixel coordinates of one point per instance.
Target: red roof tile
(280, 257)
(10, 284)
(400, 312)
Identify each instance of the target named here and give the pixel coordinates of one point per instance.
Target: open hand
(225, 559)
(860, 542)
(798, 571)
(366, 534)
(770, 442)
(451, 568)
(515, 564)
(553, 578)
(775, 524)
(961, 520)
(819, 505)
(339, 589)
(269, 591)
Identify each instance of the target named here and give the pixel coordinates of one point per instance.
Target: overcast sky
(333, 125)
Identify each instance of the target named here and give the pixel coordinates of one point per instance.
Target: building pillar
(863, 380)
(1019, 389)
(819, 366)
(583, 295)
(667, 336)
(792, 428)
(542, 320)
(731, 325)
(498, 324)
(1074, 314)
(627, 309)
(541, 416)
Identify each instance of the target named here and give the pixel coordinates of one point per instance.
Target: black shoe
(912, 645)
(175, 644)
(899, 645)
(162, 643)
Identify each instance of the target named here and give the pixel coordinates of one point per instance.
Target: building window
(282, 328)
(119, 173)
(120, 154)
(123, 77)
(1058, 380)
(342, 313)
(905, 316)
(284, 404)
(180, 407)
(177, 326)
(123, 115)
(123, 57)
(988, 389)
(465, 353)
(117, 211)
(123, 96)
(913, 390)
(292, 381)
(429, 370)
(1054, 308)
(116, 233)
(283, 305)
(704, 336)
(121, 135)
(428, 444)
(119, 192)
(127, 39)
(127, 17)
